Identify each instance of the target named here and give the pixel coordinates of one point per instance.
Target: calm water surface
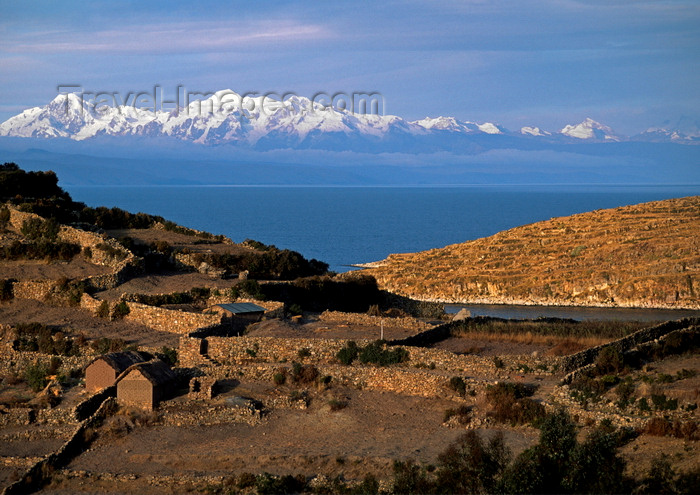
(348, 225)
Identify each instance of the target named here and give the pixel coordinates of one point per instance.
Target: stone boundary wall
(170, 320)
(90, 303)
(427, 337)
(12, 361)
(365, 319)
(396, 379)
(573, 375)
(87, 407)
(37, 474)
(588, 356)
(33, 289)
(243, 351)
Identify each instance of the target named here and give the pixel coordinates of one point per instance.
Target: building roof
(156, 372)
(242, 308)
(120, 361)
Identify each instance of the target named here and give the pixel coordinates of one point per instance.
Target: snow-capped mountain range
(297, 122)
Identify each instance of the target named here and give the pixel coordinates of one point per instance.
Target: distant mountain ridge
(296, 123)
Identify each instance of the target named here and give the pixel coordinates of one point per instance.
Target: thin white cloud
(166, 38)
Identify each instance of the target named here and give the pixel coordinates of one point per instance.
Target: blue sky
(627, 63)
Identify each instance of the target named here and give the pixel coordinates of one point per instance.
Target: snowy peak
(453, 125)
(685, 130)
(296, 122)
(534, 131)
(590, 129)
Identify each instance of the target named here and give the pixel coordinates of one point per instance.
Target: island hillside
(645, 255)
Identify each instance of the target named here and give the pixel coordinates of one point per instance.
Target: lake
(348, 225)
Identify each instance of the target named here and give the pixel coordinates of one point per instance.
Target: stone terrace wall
(170, 320)
(123, 268)
(90, 303)
(33, 289)
(36, 474)
(249, 350)
(586, 357)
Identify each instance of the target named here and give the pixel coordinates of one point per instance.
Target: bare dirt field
(491, 347)
(165, 283)
(366, 436)
(43, 270)
(180, 241)
(76, 321)
(310, 327)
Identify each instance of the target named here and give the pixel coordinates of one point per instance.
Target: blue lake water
(348, 225)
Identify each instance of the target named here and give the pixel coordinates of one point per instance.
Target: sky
(630, 64)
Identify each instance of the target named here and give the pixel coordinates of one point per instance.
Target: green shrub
(662, 403)
(168, 355)
(36, 229)
(304, 353)
(103, 310)
(304, 373)
(246, 480)
(111, 251)
(458, 385)
(295, 309)
(376, 353)
(609, 361)
(279, 378)
(510, 403)
(6, 293)
(463, 413)
(120, 310)
(4, 217)
(35, 376)
(348, 354)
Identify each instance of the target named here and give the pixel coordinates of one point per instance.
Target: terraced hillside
(645, 255)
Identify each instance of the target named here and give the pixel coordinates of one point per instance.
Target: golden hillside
(645, 255)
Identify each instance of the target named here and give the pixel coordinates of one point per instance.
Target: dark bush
(36, 229)
(609, 361)
(376, 353)
(35, 376)
(6, 293)
(103, 310)
(463, 414)
(280, 376)
(168, 355)
(471, 466)
(304, 373)
(458, 385)
(348, 354)
(120, 310)
(510, 403)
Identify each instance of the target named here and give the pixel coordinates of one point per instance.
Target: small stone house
(146, 384)
(242, 311)
(104, 370)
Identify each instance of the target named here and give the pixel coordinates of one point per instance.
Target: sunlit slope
(645, 255)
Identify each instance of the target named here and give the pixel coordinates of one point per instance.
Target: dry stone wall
(583, 358)
(170, 320)
(252, 350)
(33, 289)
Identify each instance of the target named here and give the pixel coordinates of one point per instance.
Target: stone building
(246, 311)
(104, 370)
(146, 384)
